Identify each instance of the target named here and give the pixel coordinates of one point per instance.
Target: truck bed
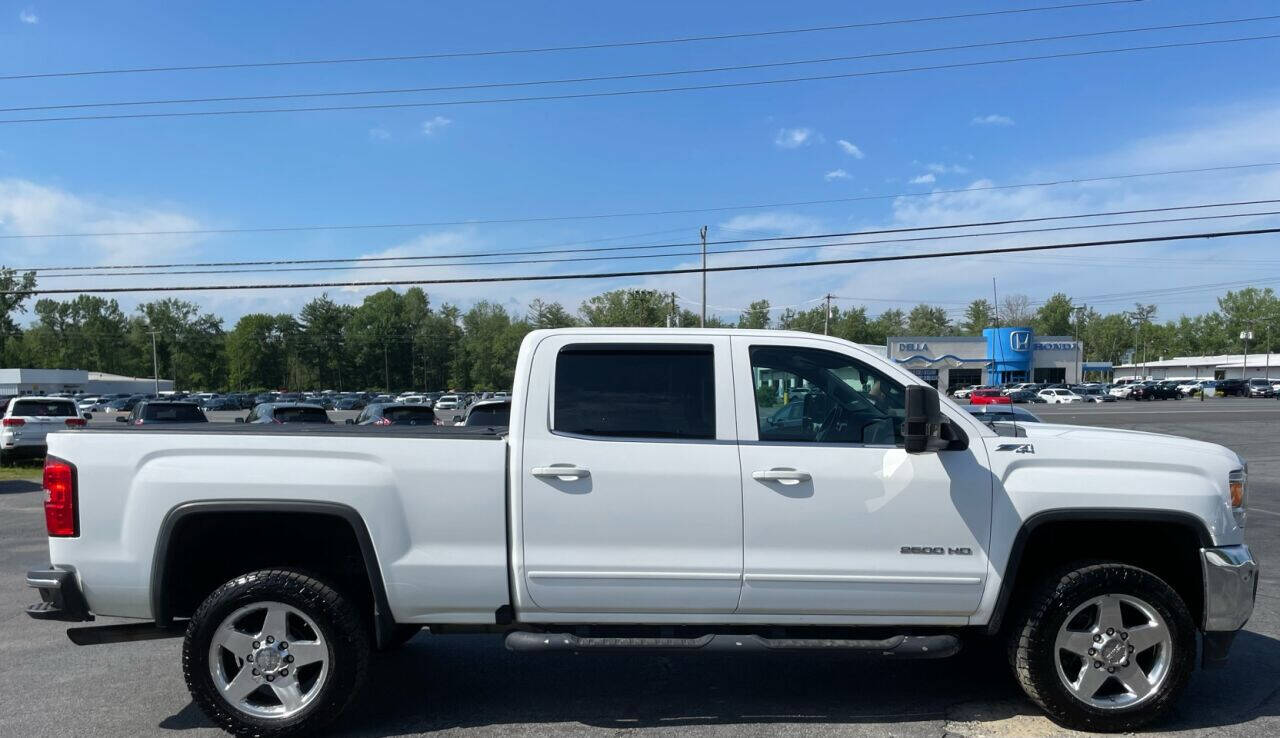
(309, 429)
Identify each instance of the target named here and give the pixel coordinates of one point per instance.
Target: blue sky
(916, 132)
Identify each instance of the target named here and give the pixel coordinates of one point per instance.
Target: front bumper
(1230, 588)
(60, 596)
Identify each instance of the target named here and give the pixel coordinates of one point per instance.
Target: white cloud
(774, 223)
(794, 138)
(993, 119)
(379, 134)
(850, 149)
(28, 15)
(836, 174)
(434, 125)
(28, 208)
(937, 168)
(924, 179)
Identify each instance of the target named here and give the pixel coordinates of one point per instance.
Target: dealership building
(999, 355)
(1221, 366)
(53, 381)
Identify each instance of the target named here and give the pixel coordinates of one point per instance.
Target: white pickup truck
(681, 490)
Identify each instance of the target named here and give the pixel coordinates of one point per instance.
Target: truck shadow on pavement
(473, 682)
(14, 486)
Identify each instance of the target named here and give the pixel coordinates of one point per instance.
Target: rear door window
(173, 413)
(636, 391)
(410, 415)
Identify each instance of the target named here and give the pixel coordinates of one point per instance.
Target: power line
(1020, 231)
(634, 75)
(647, 91)
(600, 216)
(552, 49)
(656, 272)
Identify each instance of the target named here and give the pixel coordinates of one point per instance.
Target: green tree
(928, 320)
(486, 354)
(549, 315)
(632, 307)
(14, 292)
(977, 317)
(321, 346)
(755, 316)
(1056, 317)
(190, 345)
(256, 353)
(889, 323)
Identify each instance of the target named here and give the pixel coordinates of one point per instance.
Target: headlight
(1237, 483)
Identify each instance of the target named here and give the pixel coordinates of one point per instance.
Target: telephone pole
(826, 321)
(702, 323)
(672, 317)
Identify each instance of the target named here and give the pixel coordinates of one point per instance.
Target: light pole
(702, 321)
(1244, 370)
(155, 362)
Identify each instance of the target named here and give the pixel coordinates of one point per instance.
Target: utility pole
(155, 362)
(1244, 370)
(1075, 338)
(826, 321)
(672, 319)
(703, 322)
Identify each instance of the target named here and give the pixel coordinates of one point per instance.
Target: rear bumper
(60, 596)
(25, 450)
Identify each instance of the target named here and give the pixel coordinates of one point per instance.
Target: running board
(902, 646)
(96, 635)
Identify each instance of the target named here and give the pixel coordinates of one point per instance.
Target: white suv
(1059, 395)
(29, 420)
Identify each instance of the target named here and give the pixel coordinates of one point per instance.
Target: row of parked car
(1033, 392)
(1124, 389)
(28, 420)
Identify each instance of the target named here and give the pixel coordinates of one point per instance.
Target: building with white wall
(1220, 366)
(53, 381)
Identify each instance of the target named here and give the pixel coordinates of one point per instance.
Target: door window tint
(640, 391)
(173, 413)
(813, 396)
(490, 415)
(45, 408)
(410, 415)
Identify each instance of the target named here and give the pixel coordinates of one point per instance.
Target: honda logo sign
(1020, 340)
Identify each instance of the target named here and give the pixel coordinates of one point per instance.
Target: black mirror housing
(925, 427)
(121, 419)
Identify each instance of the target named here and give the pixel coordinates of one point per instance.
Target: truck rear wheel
(1105, 647)
(274, 653)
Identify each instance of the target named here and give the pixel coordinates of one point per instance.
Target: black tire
(1032, 652)
(338, 621)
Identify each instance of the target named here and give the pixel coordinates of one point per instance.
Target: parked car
(490, 413)
(1001, 413)
(28, 421)
(221, 403)
(988, 397)
(350, 403)
(1261, 387)
(287, 557)
(415, 400)
(394, 414)
(448, 402)
(1024, 396)
(1166, 390)
(1094, 394)
(163, 412)
(1059, 396)
(285, 412)
(1233, 388)
(962, 391)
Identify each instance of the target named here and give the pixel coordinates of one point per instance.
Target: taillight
(9, 422)
(382, 421)
(75, 422)
(59, 497)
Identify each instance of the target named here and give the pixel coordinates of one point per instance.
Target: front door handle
(563, 472)
(784, 476)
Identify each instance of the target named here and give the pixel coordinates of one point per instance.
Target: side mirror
(88, 416)
(350, 421)
(239, 420)
(925, 428)
(121, 419)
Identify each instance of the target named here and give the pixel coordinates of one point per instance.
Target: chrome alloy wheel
(1113, 651)
(268, 660)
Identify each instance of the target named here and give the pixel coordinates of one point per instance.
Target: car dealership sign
(1056, 346)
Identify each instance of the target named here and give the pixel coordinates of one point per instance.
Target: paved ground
(471, 685)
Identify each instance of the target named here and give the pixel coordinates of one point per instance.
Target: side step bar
(902, 646)
(96, 635)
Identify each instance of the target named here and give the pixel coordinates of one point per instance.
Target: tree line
(399, 340)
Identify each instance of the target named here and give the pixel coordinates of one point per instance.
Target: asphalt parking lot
(471, 685)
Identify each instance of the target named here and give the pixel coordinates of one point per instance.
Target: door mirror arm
(925, 427)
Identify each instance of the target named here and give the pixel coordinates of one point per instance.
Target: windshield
(45, 408)
(300, 415)
(410, 415)
(177, 413)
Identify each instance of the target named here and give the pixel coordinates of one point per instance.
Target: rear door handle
(785, 476)
(563, 472)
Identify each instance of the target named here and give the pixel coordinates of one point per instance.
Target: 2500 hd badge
(938, 550)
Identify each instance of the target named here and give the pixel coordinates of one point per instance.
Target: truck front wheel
(274, 653)
(1104, 647)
